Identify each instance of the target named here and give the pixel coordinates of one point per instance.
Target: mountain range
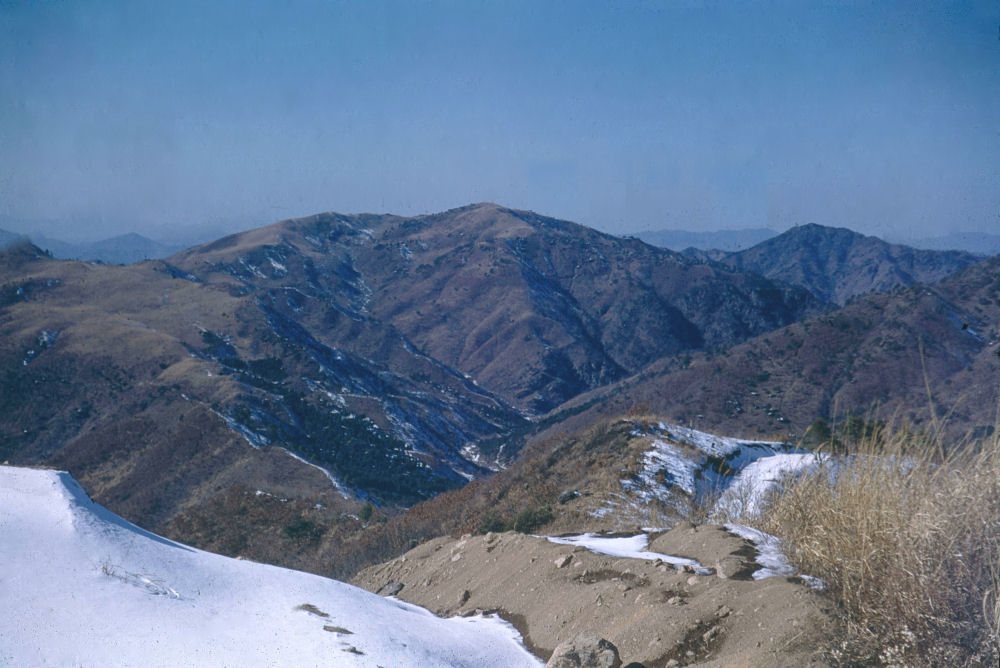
(122, 249)
(316, 367)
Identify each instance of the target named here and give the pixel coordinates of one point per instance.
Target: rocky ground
(655, 613)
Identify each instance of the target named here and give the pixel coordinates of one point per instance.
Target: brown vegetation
(906, 536)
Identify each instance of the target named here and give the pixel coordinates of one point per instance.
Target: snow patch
(769, 555)
(745, 496)
(629, 547)
(89, 588)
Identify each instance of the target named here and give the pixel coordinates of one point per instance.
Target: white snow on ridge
(81, 586)
(664, 457)
(746, 494)
(710, 444)
(630, 547)
(683, 465)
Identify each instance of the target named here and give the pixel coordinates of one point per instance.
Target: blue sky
(163, 116)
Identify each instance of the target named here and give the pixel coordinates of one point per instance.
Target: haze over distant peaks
(725, 240)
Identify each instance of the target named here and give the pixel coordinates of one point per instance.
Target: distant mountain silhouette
(836, 264)
(124, 249)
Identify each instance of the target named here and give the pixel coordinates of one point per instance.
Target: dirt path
(654, 613)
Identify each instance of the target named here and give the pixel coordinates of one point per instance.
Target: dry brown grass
(906, 537)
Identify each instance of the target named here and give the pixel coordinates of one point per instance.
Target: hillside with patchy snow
(81, 586)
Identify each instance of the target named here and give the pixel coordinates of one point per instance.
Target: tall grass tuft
(906, 535)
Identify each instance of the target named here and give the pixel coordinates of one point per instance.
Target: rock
(675, 600)
(673, 663)
(563, 561)
(568, 496)
(693, 580)
(585, 651)
(710, 634)
(390, 589)
(728, 567)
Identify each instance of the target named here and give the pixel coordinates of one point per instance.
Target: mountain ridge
(837, 264)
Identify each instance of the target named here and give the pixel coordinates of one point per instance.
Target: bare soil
(653, 612)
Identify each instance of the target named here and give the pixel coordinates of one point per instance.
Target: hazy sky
(154, 116)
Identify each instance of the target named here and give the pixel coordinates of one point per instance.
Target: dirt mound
(654, 612)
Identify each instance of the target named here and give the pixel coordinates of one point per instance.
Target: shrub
(528, 520)
(492, 523)
(906, 537)
(300, 528)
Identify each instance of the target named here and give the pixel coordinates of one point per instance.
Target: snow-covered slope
(682, 468)
(81, 586)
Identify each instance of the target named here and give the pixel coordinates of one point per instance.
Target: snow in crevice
(255, 439)
(769, 555)
(340, 487)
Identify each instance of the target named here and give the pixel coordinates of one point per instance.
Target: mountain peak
(836, 264)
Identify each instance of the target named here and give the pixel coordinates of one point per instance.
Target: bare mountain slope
(886, 349)
(537, 310)
(160, 392)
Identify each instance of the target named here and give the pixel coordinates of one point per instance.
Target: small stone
(675, 600)
(563, 561)
(456, 557)
(693, 580)
(390, 589)
(710, 634)
(725, 611)
(673, 663)
(729, 567)
(585, 651)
